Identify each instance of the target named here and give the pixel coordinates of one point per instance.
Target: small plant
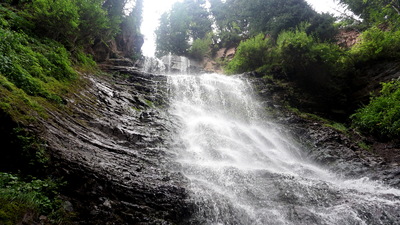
(337, 126)
(19, 197)
(364, 146)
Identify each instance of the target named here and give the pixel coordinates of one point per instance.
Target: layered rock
(332, 149)
(112, 143)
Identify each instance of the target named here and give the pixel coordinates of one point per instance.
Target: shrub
(377, 44)
(381, 116)
(55, 19)
(300, 52)
(200, 47)
(33, 65)
(252, 54)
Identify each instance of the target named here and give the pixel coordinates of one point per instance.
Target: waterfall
(244, 170)
(153, 65)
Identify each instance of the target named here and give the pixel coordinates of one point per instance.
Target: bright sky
(152, 10)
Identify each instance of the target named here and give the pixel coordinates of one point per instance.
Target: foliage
(200, 47)
(377, 44)
(94, 23)
(32, 65)
(375, 11)
(187, 20)
(236, 20)
(58, 20)
(252, 54)
(75, 24)
(295, 51)
(18, 197)
(300, 51)
(381, 116)
(240, 19)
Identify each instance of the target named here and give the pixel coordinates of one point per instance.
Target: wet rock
(112, 149)
(328, 147)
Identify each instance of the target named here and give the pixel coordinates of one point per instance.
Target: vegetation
(43, 49)
(36, 197)
(234, 21)
(200, 47)
(187, 21)
(382, 115)
(252, 54)
(377, 44)
(375, 12)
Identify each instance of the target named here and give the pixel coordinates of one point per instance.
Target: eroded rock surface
(332, 149)
(111, 144)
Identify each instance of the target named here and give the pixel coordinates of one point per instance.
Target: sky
(152, 10)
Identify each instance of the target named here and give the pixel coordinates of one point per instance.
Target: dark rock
(328, 147)
(112, 149)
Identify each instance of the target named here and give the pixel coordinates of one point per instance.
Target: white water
(243, 170)
(168, 64)
(153, 65)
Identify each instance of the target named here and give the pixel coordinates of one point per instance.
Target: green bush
(377, 44)
(200, 47)
(95, 23)
(295, 49)
(300, 52)
(252, 54)
(32, 65)
(381, 116)
(55, 19)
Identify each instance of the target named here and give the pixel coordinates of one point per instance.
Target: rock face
(181, 64)
(111, 145)
(331, 148)
(126, 45)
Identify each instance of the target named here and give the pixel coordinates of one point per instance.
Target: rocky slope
(112, 145)
(333, 149)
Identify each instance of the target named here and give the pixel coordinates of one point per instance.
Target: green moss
(13, 211)
(136, 109)
(307, 115)
(149, 103)
(16, 103)
(327, 123)
(337, 126)
(364, 146)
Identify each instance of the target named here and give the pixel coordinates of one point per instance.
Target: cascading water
(153, 65)
(243, 170)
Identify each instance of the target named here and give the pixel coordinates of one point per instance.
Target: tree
(240, 19)
(184, 23)
(55, 19)
(375, 11)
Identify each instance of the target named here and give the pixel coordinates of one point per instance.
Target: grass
(327, 123)
(364, 146)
